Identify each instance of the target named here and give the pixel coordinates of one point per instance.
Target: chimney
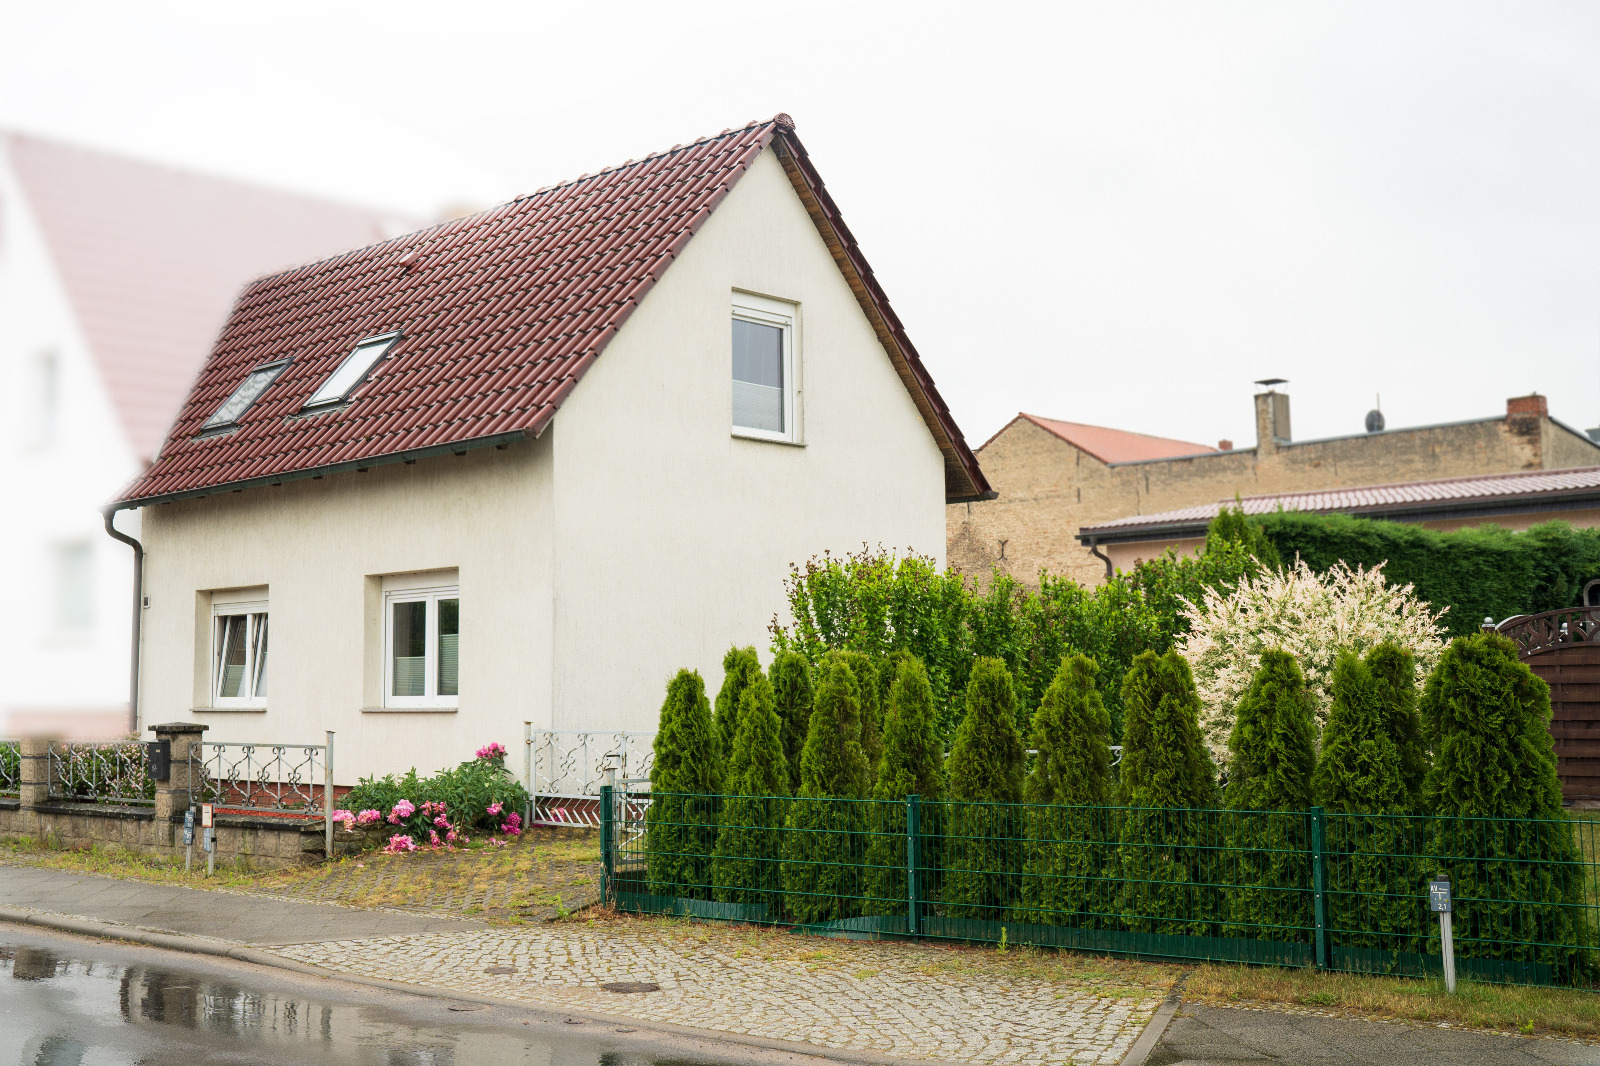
(1272, 417)
(1534, 405)
(1224, 445)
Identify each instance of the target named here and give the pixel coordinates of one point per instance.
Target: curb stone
(1153, 1032)
(195, 945)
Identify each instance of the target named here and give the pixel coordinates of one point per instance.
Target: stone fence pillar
(35, 772)
(172, 795)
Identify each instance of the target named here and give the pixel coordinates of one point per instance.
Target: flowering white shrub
(1312, 617)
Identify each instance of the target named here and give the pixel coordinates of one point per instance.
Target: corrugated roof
(502, 314)
(152, 257)
(1116, 445)
(1456, 491)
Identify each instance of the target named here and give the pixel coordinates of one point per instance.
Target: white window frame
(769, 312)
(431, 595)
(251, 610)
(325, 396)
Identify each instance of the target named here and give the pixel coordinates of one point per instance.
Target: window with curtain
(239, 655)
(422, 633)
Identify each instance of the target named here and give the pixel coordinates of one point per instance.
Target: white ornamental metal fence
(10, 766)
(563, 770)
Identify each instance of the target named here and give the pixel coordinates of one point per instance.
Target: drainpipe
(138, 613)
(1095, 551)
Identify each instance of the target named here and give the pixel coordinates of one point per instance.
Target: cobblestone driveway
(907, 1000)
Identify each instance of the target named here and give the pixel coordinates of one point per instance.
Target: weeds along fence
(1335, 891)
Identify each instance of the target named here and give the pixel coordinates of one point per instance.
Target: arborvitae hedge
(740, 666)
(677, 838)
(1067, 880)
(820, 871)
(913, 764)
(865, 672)
(1477, 572)
(1164, 764)
(790, 675)
(1367, 769)
(1489, 718)
(985, 769)
(745, 866)
(1232, 525)
(1271, 757)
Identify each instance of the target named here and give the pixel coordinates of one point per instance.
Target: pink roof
(152, 257)
(1116, 445)
(502, 313)
(1488, 488)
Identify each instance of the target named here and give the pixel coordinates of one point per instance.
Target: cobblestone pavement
(960, 1005)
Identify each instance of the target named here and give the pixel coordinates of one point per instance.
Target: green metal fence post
(1319, 887)
(607, 834)
(913, 864)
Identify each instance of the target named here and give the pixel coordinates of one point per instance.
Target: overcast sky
(1112, 212)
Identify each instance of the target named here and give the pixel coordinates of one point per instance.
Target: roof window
(353, 371)
(249, 390)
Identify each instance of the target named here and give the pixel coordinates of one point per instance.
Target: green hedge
(1485, 571)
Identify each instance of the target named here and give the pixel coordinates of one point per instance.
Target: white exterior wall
(673, 536)
(69, 681)
(314, 545)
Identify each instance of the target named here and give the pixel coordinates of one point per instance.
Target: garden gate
(1563, 648)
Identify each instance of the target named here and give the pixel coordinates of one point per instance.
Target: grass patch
(1475, 1005)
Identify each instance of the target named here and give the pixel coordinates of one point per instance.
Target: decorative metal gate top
(563, 770)
(1534, 633)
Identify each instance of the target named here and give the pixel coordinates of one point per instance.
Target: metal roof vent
(1375, 417)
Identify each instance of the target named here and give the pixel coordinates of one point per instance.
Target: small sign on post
(1440, 903)
(205, 816)
(188, 839)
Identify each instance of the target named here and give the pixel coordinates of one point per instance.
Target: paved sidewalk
(233, 916)
(1203, 1036)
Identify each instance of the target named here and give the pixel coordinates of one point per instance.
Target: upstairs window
(763, 368)
(353, 371)
(239, 654)
(248, 392)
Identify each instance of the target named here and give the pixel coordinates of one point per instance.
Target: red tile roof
(1459, 493)
(503, 312)
(1114, 445)
(152, 257)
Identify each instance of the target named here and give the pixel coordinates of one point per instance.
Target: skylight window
(249, 390)
(353, 371)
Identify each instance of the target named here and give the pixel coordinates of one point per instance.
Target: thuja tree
(1271, 757)
(1489, 718)
(865, 673)
(820, 871)
(1367, 780)
(790, 675)
(745, 866)
(913, 765)
(684, 777)
(740, 667)
(985, 778)
(1067, 878)
(1164, 766)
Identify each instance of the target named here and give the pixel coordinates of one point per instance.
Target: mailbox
(159, 754)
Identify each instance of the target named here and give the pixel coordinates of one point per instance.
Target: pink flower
(442, 822)
(513, 818)
(399, 843)
(433, 838)
(513, 824)
(401, 812)
(494, 808)
(369, 817)
(492, 750)
(344, 818)
(496, 842)
(511, 830)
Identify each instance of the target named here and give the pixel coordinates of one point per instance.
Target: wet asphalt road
(70, 1001)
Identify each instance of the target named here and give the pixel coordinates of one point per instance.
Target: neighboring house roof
(502, 312)
(1113, 445)
(1417, 501)
(152, 257)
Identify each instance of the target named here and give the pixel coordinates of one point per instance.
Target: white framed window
(353, 371)
(249, 391)
(764, 363)
(238, 653)
(74, 587)
(421, 646)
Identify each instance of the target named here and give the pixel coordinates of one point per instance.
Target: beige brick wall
(1049, 488)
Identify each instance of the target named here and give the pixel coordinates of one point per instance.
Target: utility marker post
(1440, 903)
(188, 839)
(209, 840)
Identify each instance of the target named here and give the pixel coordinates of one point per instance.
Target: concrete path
(1213, 1036)
(237, 917)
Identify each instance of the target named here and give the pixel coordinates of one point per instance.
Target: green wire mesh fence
(1337, 891)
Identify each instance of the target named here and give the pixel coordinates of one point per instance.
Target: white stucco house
(115, 275)
(525, 465)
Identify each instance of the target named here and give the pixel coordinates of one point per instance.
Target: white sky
(1112, 212)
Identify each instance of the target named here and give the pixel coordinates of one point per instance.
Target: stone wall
(1049, 487)
(258, 841)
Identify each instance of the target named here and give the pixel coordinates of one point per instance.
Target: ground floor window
(422, 647)
(239, 654)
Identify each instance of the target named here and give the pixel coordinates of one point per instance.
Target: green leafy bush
(790, 676)
(740, 666)
(913, 765)
(448, 809)
(745, 868)
(865, 674)
(1068, 878)
(680, 820)
(985, 771)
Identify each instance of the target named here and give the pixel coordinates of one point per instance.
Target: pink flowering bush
(344, 818)
(445, 809)
(399, 843)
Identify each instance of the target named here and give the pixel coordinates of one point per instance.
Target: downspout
(138, 613)
(1095, 551)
